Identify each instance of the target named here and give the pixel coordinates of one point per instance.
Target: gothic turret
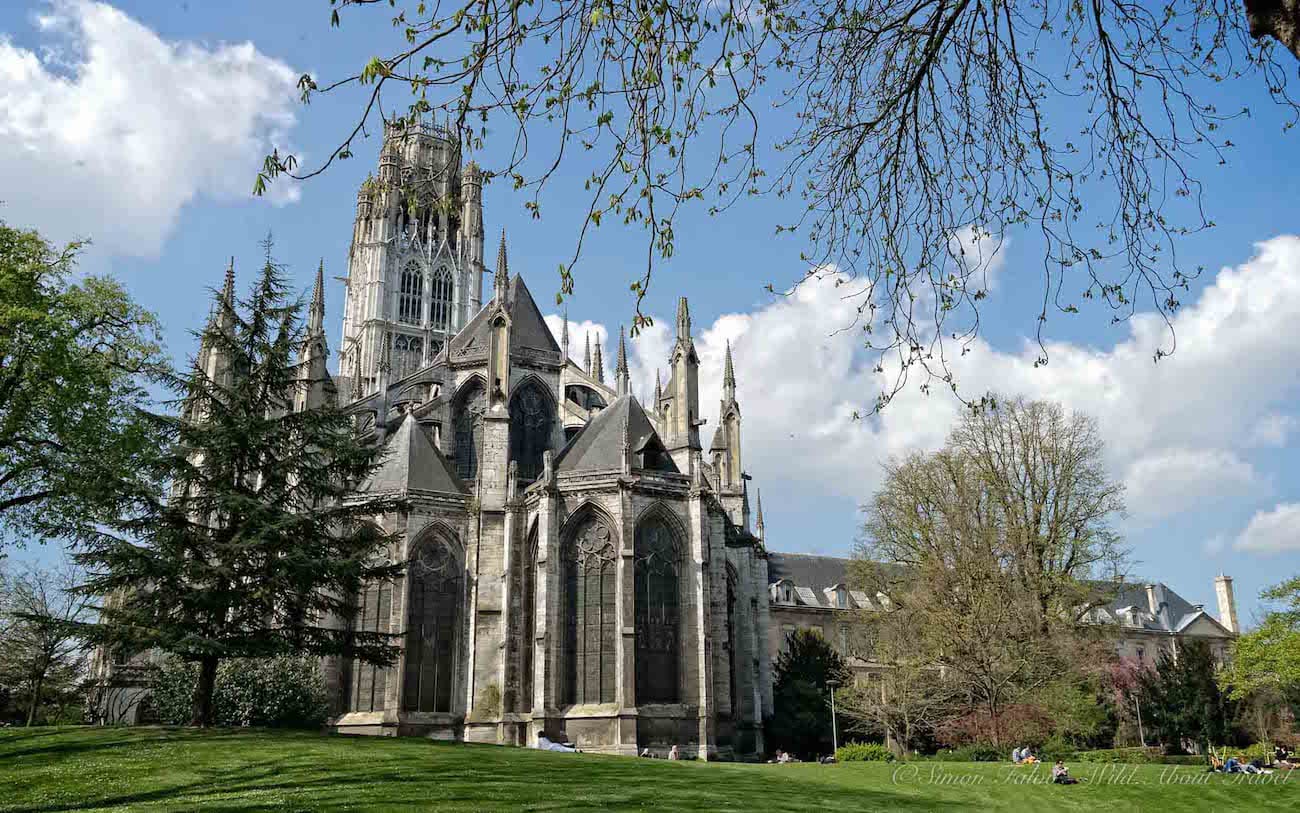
(314, 383)
(598, 365)
(726, 445)
(683, 419)
(622, 379)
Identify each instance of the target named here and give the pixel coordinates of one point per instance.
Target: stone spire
(622, 379)
(502, 277)
(586, 354)
(316, 313)
(683, 320)
(598, 364)
(758, 519)
(564, 337)
(728, 377)
(659, 389)
(228, 290)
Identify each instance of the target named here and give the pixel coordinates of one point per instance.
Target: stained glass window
(432, 624)
(658, 618)
(591, 614)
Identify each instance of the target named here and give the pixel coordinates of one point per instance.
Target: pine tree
(258, 541)
(801, 696)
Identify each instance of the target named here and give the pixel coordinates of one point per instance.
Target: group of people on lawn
(1060, 773)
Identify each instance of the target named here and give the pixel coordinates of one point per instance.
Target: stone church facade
(578, 567)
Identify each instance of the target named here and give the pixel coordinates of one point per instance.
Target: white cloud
(1177, 432)
(1162, 483)
(1271, 532)
(111, 130)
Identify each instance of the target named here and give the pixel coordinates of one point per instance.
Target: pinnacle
(228, 290)
(503, 271)
(622, 351)
(728, 370)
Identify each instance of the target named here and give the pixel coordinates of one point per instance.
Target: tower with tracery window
(415, 268)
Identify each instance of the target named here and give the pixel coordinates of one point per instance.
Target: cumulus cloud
(1162, 483)
(109, 130)
(1272, 532)
(1178, 432)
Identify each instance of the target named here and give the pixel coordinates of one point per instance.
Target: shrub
(864, 752)
(1019, 724)
(975, 752)
(279, 692)
(1129, 756)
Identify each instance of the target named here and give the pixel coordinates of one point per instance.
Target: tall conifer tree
(257, 541)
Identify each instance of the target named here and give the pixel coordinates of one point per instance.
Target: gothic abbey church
(580, 567)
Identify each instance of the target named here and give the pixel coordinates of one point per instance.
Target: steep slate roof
(411, 463)
(1175, 612)
(527, 327)
(599, 445)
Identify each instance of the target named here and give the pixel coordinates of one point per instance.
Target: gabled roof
(411, 463)
(599, 445)
(527, 327)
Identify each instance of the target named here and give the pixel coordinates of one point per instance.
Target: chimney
(1227, 603)
(1153, 603)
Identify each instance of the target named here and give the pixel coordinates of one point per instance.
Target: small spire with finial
(564, 336)
(598, 364)
(228, 290)
(502, 279)
(758, 518)
(586, 354)
(316, 313)
(622, 379)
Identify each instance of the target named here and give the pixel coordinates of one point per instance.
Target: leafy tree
(910, 139)
(1182, 703)
(258, 545)
(907, 699)
(988, 546)
(41, 657)
(74, 360)
(801, 719)
(1268, 657)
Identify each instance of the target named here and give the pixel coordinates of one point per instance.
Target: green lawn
(172, 769)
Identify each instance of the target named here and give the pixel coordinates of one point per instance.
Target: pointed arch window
(410, 300)
(590, 614)
(469, 429)
(733, 651)
(432, 627)
(441, 296)
(658, 613)
(370, 682)
(526, 590)
(532, 420)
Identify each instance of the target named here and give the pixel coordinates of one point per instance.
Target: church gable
(528, 330)
(600, 445)
(411, 463)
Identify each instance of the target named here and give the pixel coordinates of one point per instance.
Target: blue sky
(141, 125)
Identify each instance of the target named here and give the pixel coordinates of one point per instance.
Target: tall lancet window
(369, 682)
(432, 627)
(658, 616)
(532, 418)
(471, 405)
(591, 622)
(441, 296)
(410, 297)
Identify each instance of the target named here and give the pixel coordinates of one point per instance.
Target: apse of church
(577, 567)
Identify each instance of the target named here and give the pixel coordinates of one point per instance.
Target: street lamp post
(835, 737)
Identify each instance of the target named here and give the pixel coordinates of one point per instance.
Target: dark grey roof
(599, 445)
(411, 463)
(527, 327)
(1173, 612)
(807, 570)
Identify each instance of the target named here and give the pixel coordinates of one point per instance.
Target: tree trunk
(1279, 19)
(35, 703)
(203, 692)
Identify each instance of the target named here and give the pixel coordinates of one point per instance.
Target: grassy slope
(91, 769)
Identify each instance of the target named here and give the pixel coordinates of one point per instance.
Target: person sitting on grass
(1061, 774)
(1017, 754)
(674, 753)
(1027, 757)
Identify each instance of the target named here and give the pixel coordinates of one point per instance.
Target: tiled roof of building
(599, 445)
(411, 463)
(527, 327)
